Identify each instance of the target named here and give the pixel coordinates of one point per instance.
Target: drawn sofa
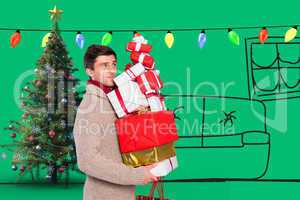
(220, 138)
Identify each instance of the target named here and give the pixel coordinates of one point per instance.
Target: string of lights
(233, 36)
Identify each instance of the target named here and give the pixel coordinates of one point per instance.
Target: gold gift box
(149, 156)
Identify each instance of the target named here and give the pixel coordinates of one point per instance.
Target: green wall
(219, 63)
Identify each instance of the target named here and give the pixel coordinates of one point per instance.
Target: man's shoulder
(93, 103)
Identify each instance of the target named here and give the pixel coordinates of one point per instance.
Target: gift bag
(155, 185)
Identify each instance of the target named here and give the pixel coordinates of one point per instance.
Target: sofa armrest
(256, 137)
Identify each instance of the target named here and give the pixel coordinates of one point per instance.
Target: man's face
(105, 68)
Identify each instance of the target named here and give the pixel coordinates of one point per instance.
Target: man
(95, 135)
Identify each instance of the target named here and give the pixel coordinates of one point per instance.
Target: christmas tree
(43, 137)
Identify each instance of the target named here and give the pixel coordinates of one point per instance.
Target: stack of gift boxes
(146, 130)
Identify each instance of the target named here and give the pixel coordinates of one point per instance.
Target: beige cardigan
(97, 150)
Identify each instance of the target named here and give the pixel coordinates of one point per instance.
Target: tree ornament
(55, 14)
(169, 39)
(64, 100)
(25, 115)
(38, 147)
(31, 138)
(38, 82)
(13, 135)
(15, 39)
(79, 40)
(14, 167)
(70, 77)
(263, 35)
(61, 169)
(35, 130)
(26, 88)
(290, 34)
(48, 177)
(51, 133)
(23, 104)
(63, 123)
(234, 38)
(22, 168)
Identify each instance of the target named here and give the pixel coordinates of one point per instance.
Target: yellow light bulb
(290, 34)
(45, 40)
(169, 39)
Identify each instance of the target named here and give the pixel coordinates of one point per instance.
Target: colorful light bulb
(45, 39)
(169, 39)
(106, 39)
(202, 39)
(15, 39)
(290, 34)
(263, 35)
(79, 40)
(234, 38)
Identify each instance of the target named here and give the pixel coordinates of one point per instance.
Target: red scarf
(105, 88)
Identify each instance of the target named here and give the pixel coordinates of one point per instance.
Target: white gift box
(164, 167)
(129, 74)
(155, 102)
(127, 98)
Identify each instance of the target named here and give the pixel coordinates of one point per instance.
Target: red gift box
(143, 131)
(140, 47)
(149, 82)
(143, 58)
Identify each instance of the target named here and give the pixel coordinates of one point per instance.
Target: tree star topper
(55, 13)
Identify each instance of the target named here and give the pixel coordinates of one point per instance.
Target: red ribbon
(120, 99)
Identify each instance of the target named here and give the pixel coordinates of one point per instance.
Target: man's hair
(96, 50)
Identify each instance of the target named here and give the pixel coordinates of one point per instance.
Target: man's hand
(149, 177)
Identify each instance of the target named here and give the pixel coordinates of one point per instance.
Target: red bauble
(24, 104)
(52, 133)
(25, 115)
(263, 35)
(22, 168)
(30, 138)
(61, 169)
(13, 135)
(38, 82)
